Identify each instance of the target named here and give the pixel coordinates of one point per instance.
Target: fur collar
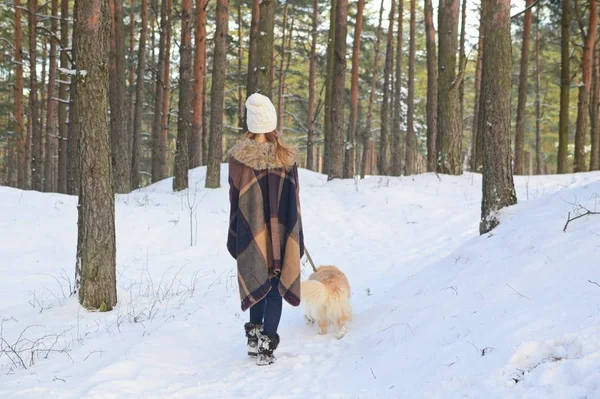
(258, 156)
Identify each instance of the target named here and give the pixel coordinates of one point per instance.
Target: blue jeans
(268, 310)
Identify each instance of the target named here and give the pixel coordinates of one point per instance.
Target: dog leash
(310, 259)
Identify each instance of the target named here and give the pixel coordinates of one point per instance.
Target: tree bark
(539, 156)
(120, 141)
(19, 107)
(411, 139)
(336, 167)
(36, 129)
(251, 83)
(367, 133)
(382, 161)
(327, 128)
(350, 156)
(50, 126)
(166, 101)
(462, 61)
(158, 96)
(184, 115)
(565, 82)
(96, 249)
(264, 49)
(73, 144)
(131, 78)
(449, 140)
(432, 89)
(62, 94)
(199, 67)
(219, 72)
(524, 72)
(139, 101)
(240, 60)
(594, 112)
(312, 89)
(477, 139)
(498, 186)
(396, 119)
(585, 89)
(280, 91)
(42, 110)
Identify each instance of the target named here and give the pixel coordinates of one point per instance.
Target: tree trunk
(583, 107)
(50, 130)
(382, 161)
(365, 161)
(539, 156)
(449, 139)
(158, 96)
(498, 186)
(240, 56)
(595, 103)
(565, 82)
(166, 101)
(184, 115)
(139, 101)
(62, 95)
(19, 107)
(253, 52)
(131, 78)
(477, 139)
(411, 139)
(432, 89)
(396, 119)
(524, 73)
(261, 81)
(36, 129)
(336, 166)
(281, 90)
(42, 110)
(199, 66)
(120, 140)
(312, 88)
(350, 156)
(327, 128)
(95, 274)
(219, 72)
(73, 144)
(462, 57)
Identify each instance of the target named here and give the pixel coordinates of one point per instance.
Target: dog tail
(321, 304)
(313, 292)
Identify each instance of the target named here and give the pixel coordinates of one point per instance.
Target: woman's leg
(272, 309)
(257, 312)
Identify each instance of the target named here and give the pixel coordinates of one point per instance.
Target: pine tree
(139, 101)
(383, 164)
(432, 89)
(524, 73)
(498, 186)
(396, 118)
(350, 156)
(411, 139)
(19, 107)
(336, 166)
(449, 139)
(477, 138)
(184, 116)
(565, 82)
(34, 115)
(219, 71)
(96, 248)
(195, 149)
(312, 88)
(50, 107)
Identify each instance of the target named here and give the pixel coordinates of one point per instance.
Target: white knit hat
(261, 116)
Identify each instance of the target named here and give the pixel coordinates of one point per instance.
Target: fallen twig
(570, 219)
(593, 282)
(518, 293)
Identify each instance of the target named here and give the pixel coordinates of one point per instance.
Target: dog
(326, 295)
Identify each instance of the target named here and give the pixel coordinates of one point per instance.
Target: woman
(265, 227)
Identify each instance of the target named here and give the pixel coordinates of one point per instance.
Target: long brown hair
(285, 154)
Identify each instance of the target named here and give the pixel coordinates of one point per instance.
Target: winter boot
(267, 344)
(252, 331)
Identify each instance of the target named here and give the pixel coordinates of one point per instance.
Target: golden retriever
(326, 295)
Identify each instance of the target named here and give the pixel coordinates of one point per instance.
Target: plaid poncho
(265, 227)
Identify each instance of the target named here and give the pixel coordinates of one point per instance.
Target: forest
(360, 89)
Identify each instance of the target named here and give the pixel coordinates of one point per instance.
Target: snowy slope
(440, 312)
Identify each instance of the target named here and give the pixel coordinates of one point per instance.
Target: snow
(440, 312)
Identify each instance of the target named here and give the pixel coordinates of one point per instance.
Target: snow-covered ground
(440, 312)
